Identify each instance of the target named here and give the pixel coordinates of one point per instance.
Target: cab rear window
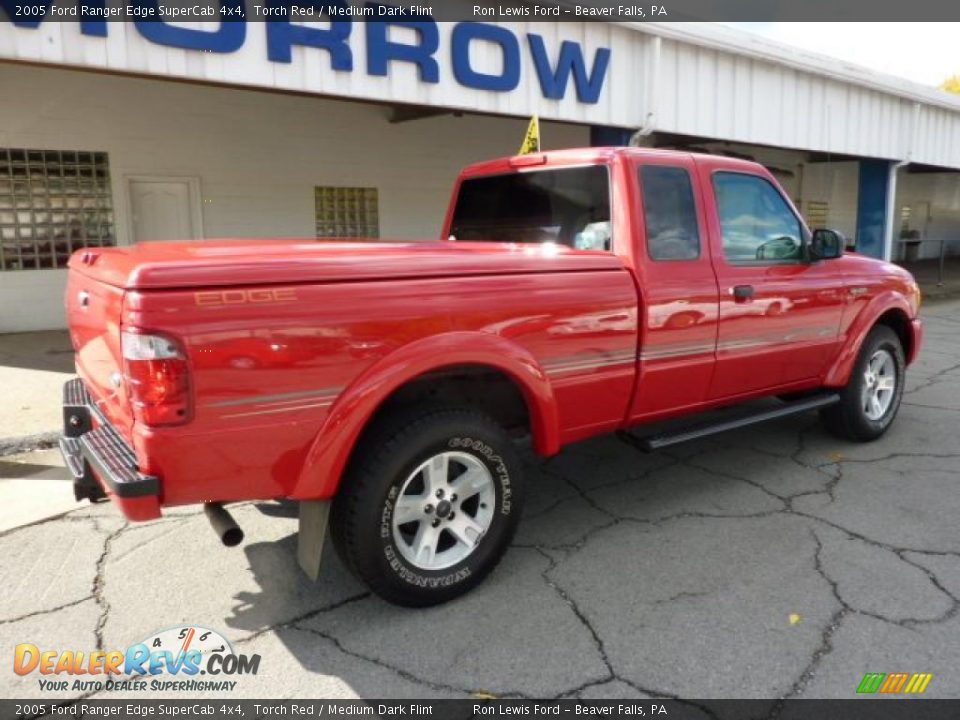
(669, 213)
(567, 206)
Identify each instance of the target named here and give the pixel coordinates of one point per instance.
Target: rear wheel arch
(479, 386)
(508, 374)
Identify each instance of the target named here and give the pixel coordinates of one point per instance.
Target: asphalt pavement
(771, 562)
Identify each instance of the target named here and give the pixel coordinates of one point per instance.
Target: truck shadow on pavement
(49, 351)
(13, 470)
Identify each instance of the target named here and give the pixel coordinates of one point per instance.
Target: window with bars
(347, 212)
(52, 202)
(816, 214)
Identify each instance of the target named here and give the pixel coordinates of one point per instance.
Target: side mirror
(826, 245)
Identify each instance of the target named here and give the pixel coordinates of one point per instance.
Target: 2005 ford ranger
(383, 385)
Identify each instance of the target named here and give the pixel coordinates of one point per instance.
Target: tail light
(158, 378)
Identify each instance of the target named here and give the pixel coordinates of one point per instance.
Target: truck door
(678, 288)
(779, 313)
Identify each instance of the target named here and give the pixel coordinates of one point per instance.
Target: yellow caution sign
(531, 141)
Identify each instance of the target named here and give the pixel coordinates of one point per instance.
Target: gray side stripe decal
(271, 411)
(758, 340)
(258, 399)
(589, 361)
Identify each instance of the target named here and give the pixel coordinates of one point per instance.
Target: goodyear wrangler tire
(869, 402)
(429, 505)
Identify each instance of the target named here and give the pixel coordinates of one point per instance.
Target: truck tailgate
(93, 313)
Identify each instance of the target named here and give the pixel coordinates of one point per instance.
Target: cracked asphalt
(773, 562)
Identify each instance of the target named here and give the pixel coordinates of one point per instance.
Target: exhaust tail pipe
(223, 524)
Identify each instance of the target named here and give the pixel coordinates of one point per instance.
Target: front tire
(429, 505)
(870, 401)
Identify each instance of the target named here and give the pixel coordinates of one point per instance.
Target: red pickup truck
(383, 384)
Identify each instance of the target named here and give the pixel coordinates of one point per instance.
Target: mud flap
(314, 517)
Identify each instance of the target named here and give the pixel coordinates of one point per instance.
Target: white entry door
(164, 208)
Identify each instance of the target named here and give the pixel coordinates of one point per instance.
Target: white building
(118, 132)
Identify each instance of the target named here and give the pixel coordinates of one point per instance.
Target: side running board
(662, 440)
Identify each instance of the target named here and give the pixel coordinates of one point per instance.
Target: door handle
(741, 293)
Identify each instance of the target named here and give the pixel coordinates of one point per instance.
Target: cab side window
(756, 223)
(670, 215)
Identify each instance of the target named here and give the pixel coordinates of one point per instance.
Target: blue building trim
(872, 206)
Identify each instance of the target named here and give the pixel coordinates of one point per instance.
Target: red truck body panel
(94, 313)
(278, 367)
(294, 344)
(211, 264)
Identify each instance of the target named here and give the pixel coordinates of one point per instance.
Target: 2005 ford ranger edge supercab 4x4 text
(383, 384)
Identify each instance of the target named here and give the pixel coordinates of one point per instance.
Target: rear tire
(870, 401)
(429, 505)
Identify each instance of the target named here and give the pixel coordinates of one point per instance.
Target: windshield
(569, 206)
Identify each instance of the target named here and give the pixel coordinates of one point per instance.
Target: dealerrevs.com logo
(187, 658)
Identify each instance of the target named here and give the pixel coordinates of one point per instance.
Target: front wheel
(871, 398)
(429, 505)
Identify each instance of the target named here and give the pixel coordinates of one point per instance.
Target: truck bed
(223, 263)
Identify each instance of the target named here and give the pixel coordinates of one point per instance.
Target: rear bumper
(100, 459)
